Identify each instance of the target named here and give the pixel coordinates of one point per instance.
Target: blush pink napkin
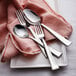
(10, 44)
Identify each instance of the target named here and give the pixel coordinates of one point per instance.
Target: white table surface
(67, 8)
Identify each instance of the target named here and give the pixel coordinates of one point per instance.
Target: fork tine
(40, 32)
(21, 14)
(41, 29)
(20, 17)
(17, 14)
(37, 30)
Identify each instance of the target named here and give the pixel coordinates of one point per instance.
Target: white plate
(39, 60)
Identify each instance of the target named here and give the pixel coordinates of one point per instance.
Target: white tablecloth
(67, 8)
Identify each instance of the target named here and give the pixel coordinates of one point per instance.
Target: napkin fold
(12, 43)
(9, 50)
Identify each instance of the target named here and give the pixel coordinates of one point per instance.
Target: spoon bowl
(20, 31)
(40, 34)
(31, 17)
(37, 20)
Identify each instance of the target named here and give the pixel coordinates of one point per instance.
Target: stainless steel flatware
(33, 18)
(40, 34)
(23, 23)
(52, 50)
(22, 32)
(58, 36)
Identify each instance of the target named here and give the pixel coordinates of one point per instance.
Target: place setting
(37, 38)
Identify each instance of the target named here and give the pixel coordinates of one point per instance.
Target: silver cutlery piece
(23, 23)
(40, 35)
(54, 51)
(22, 32)
(33, 18)
(39, 32)
(58, 36)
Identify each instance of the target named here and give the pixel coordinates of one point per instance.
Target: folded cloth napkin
(10, 44)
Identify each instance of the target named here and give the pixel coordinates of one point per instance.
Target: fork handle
(42, 49)
(54, 66)
(55, 52)
(58, 36)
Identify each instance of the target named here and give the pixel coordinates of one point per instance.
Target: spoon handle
(58, 36)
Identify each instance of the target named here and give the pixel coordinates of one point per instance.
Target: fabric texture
(11, 44)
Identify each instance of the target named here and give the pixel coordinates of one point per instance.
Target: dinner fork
(40, 34)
